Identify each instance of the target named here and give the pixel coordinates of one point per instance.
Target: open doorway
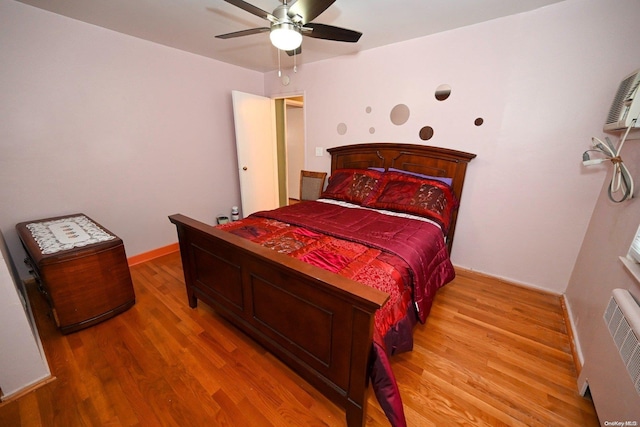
(270, 143)
(291, 147)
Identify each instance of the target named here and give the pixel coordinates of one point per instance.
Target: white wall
(116, 127)
(22, 360)
(121, 129)
(597, 272)
(542, 81)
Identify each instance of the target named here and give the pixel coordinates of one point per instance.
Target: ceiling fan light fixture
(285, 36)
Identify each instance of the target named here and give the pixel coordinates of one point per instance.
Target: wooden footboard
(318, 323)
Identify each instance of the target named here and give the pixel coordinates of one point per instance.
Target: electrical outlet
(318, 151)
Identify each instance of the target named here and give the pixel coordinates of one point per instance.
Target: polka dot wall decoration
(400, 113)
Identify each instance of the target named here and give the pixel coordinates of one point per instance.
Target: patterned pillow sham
(428, 198)
(352, 185)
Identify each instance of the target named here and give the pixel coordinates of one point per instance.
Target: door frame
(280, 126)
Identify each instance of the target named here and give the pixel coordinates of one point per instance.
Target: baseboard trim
(17, 395)
(156, 253)
(577, 362)
(473, 273)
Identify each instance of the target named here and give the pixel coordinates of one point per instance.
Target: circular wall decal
(443, 92)
(399, 114)
(368, 110)
(479, 121)
(426, 133)
(342, 129)
(372, 130)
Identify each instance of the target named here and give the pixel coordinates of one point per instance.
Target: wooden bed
(240, 279)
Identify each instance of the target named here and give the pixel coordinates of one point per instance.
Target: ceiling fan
(290, 21)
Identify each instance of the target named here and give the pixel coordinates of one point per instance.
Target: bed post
(184, 243)
(361, 353)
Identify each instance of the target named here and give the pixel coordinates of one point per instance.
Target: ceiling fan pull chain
(279, 72)
(295, 66)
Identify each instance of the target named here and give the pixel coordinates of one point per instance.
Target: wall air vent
(623, 109)
(622, 317)
(634, 250)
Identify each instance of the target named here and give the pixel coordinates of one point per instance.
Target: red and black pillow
(352, 185)
(404, 193)
(394, 191)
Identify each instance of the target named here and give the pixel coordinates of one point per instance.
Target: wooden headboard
(426, 160)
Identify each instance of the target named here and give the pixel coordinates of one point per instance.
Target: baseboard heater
(622, 317)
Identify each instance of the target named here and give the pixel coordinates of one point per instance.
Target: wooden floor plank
(491, 353)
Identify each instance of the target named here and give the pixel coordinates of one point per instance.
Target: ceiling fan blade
(329, 32)
(298, 51)
(243, 33)
(309, 9)
(252, 9)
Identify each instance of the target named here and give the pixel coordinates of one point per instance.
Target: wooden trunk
(84, 285)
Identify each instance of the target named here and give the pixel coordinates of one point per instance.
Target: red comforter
(406, 258)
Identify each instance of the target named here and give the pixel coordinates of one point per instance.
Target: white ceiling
(191, 25)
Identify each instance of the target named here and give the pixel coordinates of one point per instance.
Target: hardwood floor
(490, 354)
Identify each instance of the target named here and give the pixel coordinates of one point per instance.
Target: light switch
(318, 151)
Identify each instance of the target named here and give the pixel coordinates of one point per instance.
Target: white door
(254, 118)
